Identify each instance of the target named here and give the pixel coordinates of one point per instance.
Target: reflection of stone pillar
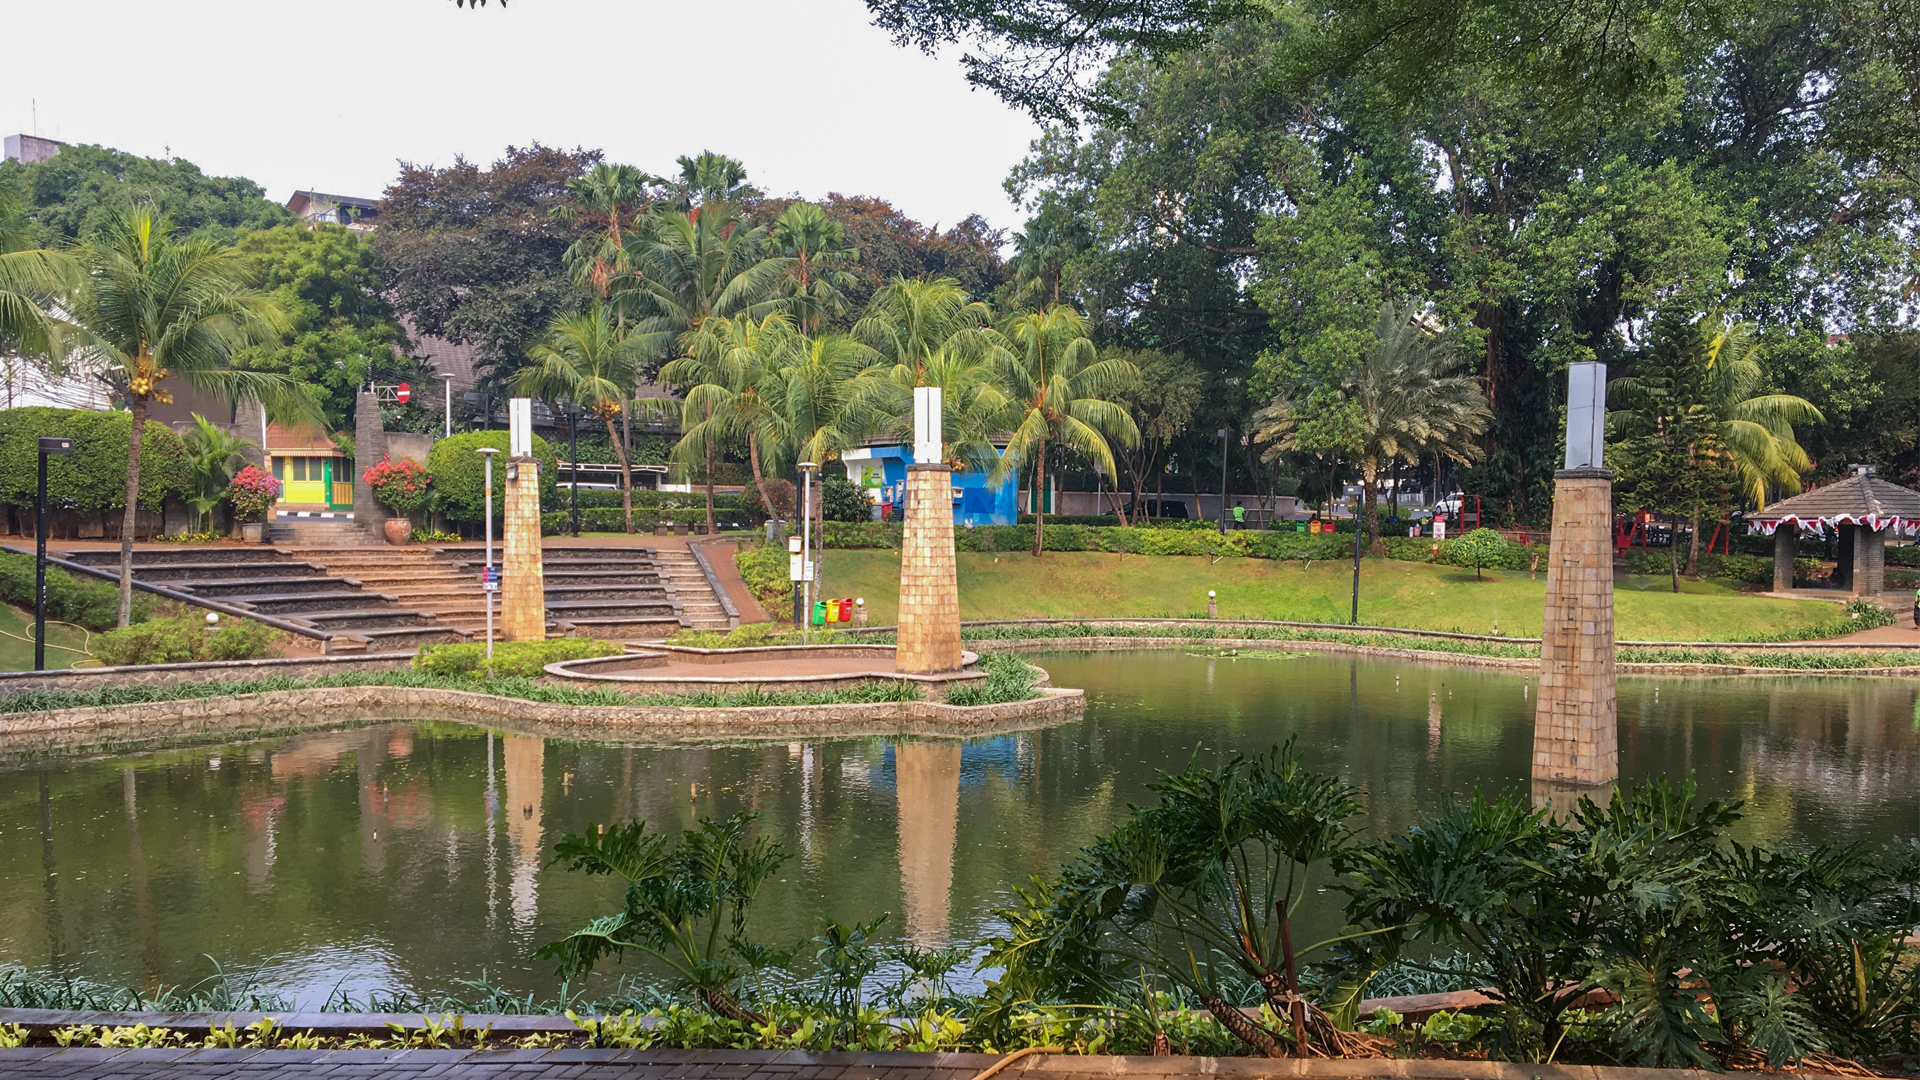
(1563, 796)
(1575, 733)
(929, 632)
(526, 781)
(1786, 544)
(523, 593)
(927, 794)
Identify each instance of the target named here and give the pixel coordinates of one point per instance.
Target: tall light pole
(446, 378)
(48, 445)
(810, 569)
(488, 585)
(573, 454)
(1224, 434)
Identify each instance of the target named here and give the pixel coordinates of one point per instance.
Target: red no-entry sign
(402, 393)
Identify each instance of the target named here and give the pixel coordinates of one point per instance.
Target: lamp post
(808, 568)
(1224, 434)
(488, 585)
(573, 460)
(446, 379)
(48, 445)
(1355, 619)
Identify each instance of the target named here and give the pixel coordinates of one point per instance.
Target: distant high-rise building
(27, 149)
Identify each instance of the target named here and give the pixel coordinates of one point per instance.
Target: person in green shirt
(1240, 520)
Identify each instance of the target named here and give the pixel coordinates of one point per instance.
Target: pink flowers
(252, 493)
(401, 484)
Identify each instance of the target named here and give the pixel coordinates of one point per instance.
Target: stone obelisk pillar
(1575, 729)
(928, 639)
(523, 587)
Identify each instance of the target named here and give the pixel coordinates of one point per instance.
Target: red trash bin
(846, 609)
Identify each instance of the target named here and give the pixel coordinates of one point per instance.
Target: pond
(405, 857)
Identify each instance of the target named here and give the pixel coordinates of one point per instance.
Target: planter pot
(399, 530)
(253, 532)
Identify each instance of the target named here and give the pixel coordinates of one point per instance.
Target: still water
(404, 857)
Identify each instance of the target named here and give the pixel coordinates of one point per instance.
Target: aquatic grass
(219, 992)
(524, 689)
(1783, 659)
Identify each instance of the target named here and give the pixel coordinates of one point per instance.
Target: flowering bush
(252, 493)
(401, 484)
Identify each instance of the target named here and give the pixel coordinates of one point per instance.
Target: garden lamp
(49, 444)
(489, 584)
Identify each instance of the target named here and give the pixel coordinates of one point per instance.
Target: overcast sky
(328, 94)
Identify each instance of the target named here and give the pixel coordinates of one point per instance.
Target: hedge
(84, 602)
(610, 519)
(602, 498)
(186, 638)
(459, 482)
(1747, 569)
(510, 658)
(94, 476)
(1245, 543)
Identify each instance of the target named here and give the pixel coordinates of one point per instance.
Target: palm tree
(31, 280)
(1060, 390)
(973, 401)
(911, 318)
(589, 360)
(154, 307)
(818, 416)
(817, 246)
(711, 178)
(606, 200)
(213, 456)
(1040, 263)
(690, 267)
(727, 369)
(1407, 396)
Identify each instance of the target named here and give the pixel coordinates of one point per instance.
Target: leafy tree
(472, 255)
(912, 318)
(887, 244)
(1479, 549)
(156, 305)
(1162, 402)
(842, 500)
(84, 189)
(726, 376)
(588, 360)
(1060, 390)
(692, 266)
(341, 331)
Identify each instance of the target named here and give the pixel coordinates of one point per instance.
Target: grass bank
(1418, 596)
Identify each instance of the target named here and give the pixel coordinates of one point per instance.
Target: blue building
(882, 471)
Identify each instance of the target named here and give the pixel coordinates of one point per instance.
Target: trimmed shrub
(764, 569)
(841, 501)
(186, 638)
(83, 602)
(459, 481)
(1479, 549)
(93, 477)
(510, 658)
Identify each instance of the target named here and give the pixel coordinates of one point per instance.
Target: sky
(327, 95)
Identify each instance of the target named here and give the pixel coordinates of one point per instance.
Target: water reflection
(407, 856)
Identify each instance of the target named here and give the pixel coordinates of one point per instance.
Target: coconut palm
(31, 280)
(213, 456)
(606, 200)
(1039, 265)
(589, 360)
(726, 372)
(973, 401)
(818, 413)
(1407, 396)
(153, 307)
(911, 318)
(818, 247)
(1060, 390)
(690, 267)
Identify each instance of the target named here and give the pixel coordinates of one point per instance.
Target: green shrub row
(1247, 543)
(603, 519)
(662, 500)
(186, 638)
(1746, 569)
(510, 658)
(84, 602)
(94, 476)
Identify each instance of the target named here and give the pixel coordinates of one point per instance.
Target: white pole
(806, 549)
(489, 590)
(448, 383)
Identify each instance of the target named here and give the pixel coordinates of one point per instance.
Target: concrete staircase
(287, 585)
(295, 532)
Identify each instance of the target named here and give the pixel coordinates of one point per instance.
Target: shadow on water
(405, 856)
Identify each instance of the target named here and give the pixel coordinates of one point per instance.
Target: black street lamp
(48, 445)
(573, 434)
(1223, 433)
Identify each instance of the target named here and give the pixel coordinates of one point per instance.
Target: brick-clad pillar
(929, 633)
(523, 590)
(1575, 732)
(1869, 561)
(1786, 544)
(369, 444)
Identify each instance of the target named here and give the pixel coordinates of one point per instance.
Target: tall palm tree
(690, 267)
(1060, 389)
(31, 281)
(911, 318)
(213, 456)
(727, 371)
(589, 360)
(1407, 396)
(155, 306)
(607, 200)
(1039, 265)
(818, 248)
(711, 178)
(973, 401)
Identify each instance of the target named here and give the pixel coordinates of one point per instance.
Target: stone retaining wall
(291, 667)
(285, 710)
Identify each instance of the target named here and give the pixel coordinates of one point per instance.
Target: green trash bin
(1299, 526)
(819, 613)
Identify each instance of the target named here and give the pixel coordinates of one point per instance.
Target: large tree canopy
(72, 194)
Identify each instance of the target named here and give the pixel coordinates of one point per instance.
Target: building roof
(283, 440)
(1860, 499)
(302, 199)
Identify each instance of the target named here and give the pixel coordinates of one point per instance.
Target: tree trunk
(135, 436)
(710, 522)
(1370, 486)
(1241, 1027)
(1039, 496)
(626, 472)
(1673, 561)
(1693, 547)
(759, 482)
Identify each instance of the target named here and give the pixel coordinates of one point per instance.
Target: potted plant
(404, 486)
(252, 493)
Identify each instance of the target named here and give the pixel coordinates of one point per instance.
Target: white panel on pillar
(520, 427)
(1586, 415)
(929, 446)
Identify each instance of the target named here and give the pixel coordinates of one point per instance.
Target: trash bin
(1299, 526)
(846, 609)
(833, 610)
(819, 613)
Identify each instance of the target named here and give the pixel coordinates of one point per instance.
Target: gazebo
(1864, 508)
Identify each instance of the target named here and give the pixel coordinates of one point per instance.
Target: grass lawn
(1413, 595)
(16, 641)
